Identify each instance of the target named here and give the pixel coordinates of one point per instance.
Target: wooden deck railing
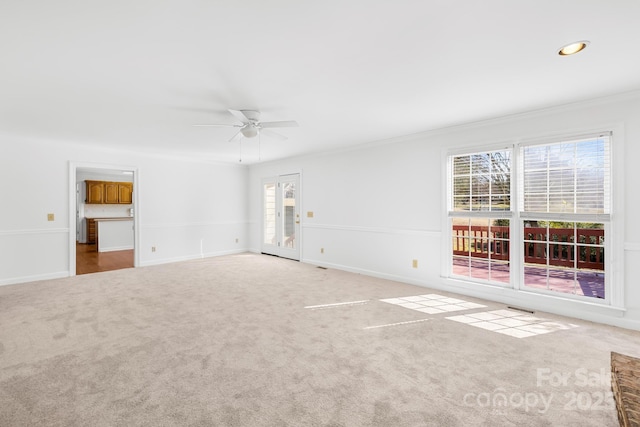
(480, 241)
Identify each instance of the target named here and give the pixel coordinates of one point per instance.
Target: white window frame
(502, 214)
(614, 229)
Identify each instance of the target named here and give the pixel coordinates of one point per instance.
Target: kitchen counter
(115, 218)
(114, 234)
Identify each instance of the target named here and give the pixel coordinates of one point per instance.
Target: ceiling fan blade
(240, 116)
(207, 111)
(282, 124)
(236, 137)
(219, 125)
(272, 134)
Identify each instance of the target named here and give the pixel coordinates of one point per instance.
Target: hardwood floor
(88, 260)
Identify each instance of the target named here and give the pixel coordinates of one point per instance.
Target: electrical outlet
(310, 214)
(153, 248)
(321, 250)
(237, 240)
(51, 217)
(415, 263)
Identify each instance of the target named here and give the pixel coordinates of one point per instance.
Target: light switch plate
(51, 217)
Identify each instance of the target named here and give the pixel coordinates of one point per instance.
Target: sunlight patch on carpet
(511, 323)
(337, 304)
(432, 303)
(396, 324)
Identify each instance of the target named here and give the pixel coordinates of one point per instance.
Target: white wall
(379, 207)
(186, 209)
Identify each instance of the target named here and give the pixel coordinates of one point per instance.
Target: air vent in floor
(521, 309)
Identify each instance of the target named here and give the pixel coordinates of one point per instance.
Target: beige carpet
(228, 342)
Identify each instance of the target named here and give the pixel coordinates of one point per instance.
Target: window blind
(482, 182)
(569, 177)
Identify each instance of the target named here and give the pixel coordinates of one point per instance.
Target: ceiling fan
(251, 125)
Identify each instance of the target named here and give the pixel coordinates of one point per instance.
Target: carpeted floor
(252, 340)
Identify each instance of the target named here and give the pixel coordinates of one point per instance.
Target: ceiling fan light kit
(249, 131)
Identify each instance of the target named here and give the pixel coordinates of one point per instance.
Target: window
(564, 199)
(481, 212)
(557, 216)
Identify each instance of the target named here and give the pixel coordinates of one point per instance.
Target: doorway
(281, 216)
(102, 236)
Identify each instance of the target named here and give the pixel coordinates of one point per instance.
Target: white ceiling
(137, 75)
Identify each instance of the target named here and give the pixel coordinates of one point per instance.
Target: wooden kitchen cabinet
(111, 193)
(106, 192)
(125, 193)
(91, 231)
(95, 192)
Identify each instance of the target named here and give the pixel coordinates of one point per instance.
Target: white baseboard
(190, 257)
(372, 273)
(34, 278)
(116, 248)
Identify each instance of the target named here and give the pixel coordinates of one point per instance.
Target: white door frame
(279, 249)
(73, 168)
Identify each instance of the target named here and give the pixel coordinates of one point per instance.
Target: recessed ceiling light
(573, 48)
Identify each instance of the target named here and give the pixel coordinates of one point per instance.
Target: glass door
(281, 216)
